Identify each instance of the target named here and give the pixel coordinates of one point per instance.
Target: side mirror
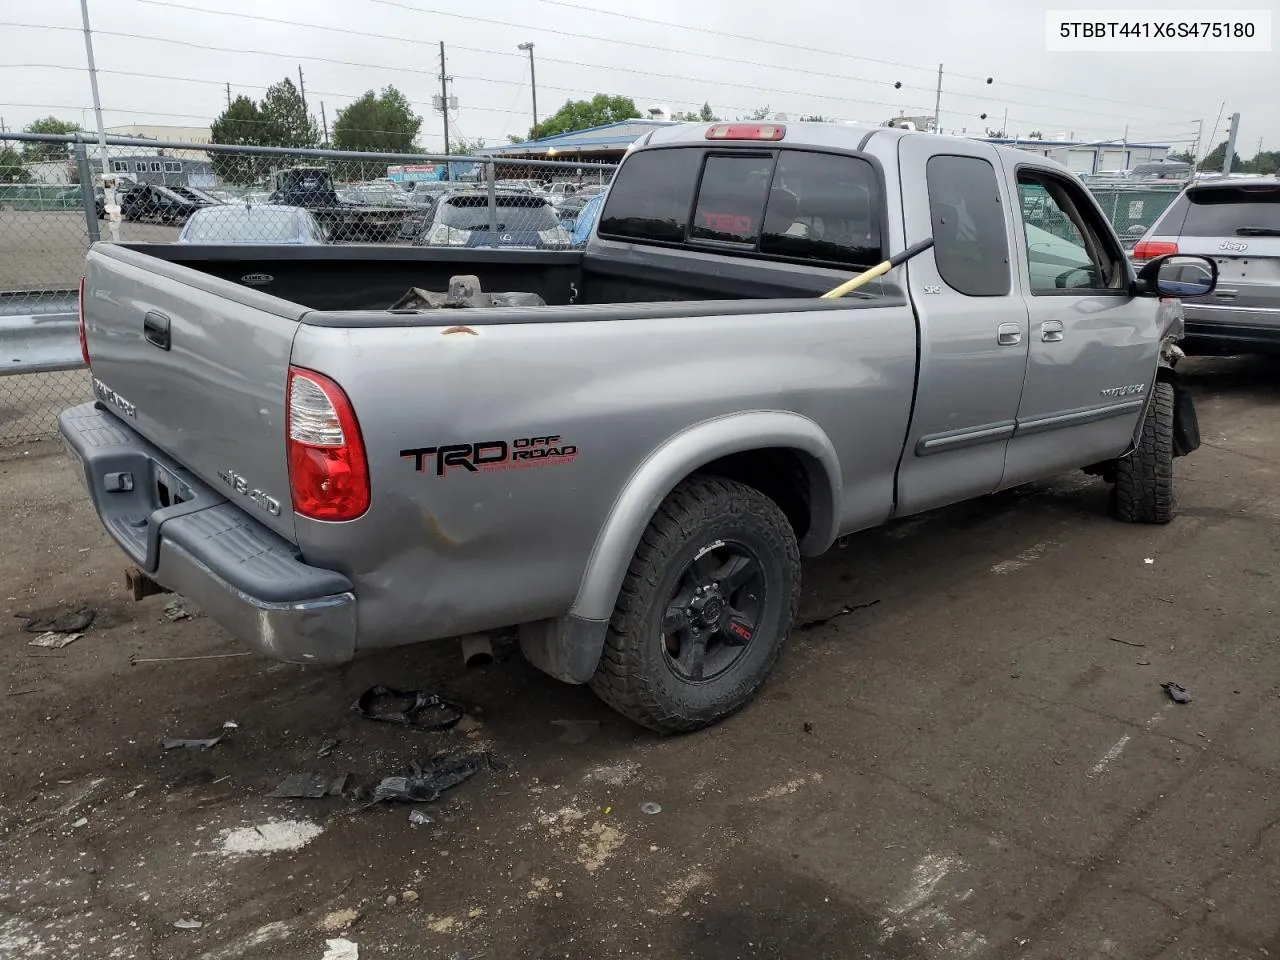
(1179, 275)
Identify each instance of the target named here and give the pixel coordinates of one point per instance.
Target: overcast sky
(802, 56)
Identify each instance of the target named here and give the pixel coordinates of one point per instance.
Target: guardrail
(39, 332)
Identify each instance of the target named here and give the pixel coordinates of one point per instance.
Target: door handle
(1009, 334)
(155, 328)
(1051, 331)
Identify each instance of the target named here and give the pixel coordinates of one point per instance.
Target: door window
(1069, 251)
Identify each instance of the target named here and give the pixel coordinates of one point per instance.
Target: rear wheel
(1143, 491)
(705, 607)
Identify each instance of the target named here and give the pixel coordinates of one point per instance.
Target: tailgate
(198, 366)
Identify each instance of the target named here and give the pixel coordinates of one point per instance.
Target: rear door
(973, 323)
(198, 366)
(1093, 345)
(1238, 224)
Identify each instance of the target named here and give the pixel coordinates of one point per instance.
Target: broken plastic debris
(310, 785)
(650, 808)
(176, 610)
(188, 924)
(577, 731)
(231, 725)
(57, 620)
(326, 748)
(82, 822)
(1177, 693)
(341, 949)
(55, 641)
(419, 819)
(411, 708)
(205, 744)
(429, 780)
(1148, 560)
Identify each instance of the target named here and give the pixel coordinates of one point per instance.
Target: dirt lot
(982, 764)
(45, 251)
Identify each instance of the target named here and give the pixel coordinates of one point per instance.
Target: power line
(749, 63)
(836, 53)
(650, 73)
(348, 63)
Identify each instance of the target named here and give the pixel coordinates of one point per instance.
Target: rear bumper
(190, 539)
(1216, 329)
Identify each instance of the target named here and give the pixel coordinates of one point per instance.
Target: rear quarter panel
(441, 555)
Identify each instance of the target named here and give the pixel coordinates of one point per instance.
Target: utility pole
(324, 122)
(302, 89)
(1004, 127)
(228, 94)
(533, 85)
(444, 100)
(1231, 143)
(1195, 147)
(97, 102)
(937, 104)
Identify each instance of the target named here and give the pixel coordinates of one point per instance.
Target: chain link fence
(56, 196)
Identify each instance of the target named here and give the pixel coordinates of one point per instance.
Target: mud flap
(1186, 425)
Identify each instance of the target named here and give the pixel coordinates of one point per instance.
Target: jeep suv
(1237, 222)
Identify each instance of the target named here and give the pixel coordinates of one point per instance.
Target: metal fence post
(493, 201)
(85, 175)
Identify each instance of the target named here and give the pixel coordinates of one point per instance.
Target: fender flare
(684, 454)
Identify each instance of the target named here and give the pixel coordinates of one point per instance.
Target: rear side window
(652, 200)
(1233, 211)
(971, 241)
(791, 203)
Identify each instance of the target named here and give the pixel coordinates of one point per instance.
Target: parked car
(147, 201)
(245, 223)
(629, 465)
(422, 199)
(568, 210)
(587, 218)
(342, 219)
(1237, 223)
(461, 219)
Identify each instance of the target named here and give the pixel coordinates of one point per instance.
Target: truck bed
(372, 277)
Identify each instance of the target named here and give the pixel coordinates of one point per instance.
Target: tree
(285, 120)
(1186, 156)
(37, 152)
(11, 168)
(1036, 135)
(462, 147)
(759, 113)
(814, 118)
(704, 115)
(241, 123)
(383, 122)
(995, 134)
(1266, 162)
(1213, 162)
(582, 114)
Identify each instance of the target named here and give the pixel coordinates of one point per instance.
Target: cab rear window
(791, 204)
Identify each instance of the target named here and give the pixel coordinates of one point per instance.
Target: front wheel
(706, 604)
(1143, 491)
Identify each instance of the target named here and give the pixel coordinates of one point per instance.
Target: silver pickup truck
(630, 471)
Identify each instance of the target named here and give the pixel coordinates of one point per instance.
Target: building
(603, 144)
(1088, 157)
(128, 163)
(150, 131)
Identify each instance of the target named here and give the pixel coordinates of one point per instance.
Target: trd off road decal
(491, 455)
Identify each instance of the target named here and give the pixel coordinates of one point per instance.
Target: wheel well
(780, 473)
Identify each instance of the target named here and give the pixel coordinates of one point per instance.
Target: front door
(973, 323)
(1093, 346)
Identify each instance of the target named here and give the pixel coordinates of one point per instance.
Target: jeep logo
(1235, 245)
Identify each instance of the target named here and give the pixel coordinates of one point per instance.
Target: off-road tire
(633, 676)
(1143, 491)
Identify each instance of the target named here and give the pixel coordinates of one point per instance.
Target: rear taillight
(84, 340)
(328, 470)
(1150, 249)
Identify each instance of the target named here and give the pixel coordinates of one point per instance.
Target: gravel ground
(981, 764)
